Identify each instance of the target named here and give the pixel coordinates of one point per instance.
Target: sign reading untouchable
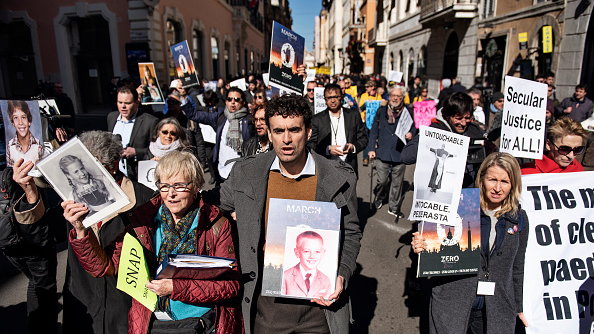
(441, 161)
(523, 122)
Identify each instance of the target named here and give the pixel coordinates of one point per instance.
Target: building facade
(84, 45)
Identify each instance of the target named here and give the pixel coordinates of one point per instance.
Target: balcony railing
(458, 8)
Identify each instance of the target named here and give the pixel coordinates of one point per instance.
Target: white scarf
(158, 149)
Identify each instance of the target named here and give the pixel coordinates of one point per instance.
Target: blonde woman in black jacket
(455, 306)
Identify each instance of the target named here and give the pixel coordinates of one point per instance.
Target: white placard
(405, 122)
(441, 162)
(211, 85)
(146, 173)
(311, 75)
(265, 77)
(208, 133)
(319, 101)
(239, 83)
(395, 76)
(559, 263)
(524, 113)
(75, 174)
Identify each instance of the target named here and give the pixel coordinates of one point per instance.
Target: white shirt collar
(308, 169)
(130, 120)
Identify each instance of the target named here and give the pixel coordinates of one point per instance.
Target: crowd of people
(267, 147)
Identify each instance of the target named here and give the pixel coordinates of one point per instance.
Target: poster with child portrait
(22, 130)
(301, 252)
(77, 175)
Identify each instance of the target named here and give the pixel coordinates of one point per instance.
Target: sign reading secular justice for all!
(523, 123)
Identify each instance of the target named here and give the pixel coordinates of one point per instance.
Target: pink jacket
(213, 238)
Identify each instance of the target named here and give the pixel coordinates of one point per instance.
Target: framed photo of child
(77, 175)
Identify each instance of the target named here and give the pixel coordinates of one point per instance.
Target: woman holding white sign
(176, 222)
(490, 301)
(566, 139)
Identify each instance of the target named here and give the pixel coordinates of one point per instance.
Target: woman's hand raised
(73, 212)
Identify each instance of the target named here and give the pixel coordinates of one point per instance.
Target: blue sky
(304, 13)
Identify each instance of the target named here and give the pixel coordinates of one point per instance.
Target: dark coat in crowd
(383, 135)
(139, 139)
(409, 153)
(94, 305)
(321, 135)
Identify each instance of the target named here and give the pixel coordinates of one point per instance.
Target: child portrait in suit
(304, 279)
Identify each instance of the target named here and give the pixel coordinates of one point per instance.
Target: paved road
(384, 294)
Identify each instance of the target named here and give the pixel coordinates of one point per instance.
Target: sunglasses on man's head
(166, 132)
(237, 99)
(565, 150)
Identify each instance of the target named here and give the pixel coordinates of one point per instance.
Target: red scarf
(548, 165)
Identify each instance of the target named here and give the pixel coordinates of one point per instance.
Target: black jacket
(409, 153)
(251, 145)
(321, 135)
(382, 137)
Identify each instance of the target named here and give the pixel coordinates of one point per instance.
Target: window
(197, 51)
(214, 50)
(173, 36)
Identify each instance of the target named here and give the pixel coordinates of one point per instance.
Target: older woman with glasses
(168, 136)
(565, 140)
(177, 221)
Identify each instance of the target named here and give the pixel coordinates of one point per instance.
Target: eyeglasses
(259, 97)
(236, 99)
(310, 89)
(336, 97)
(165, 132)
(565, 150)
(178, 186)
(257, 120)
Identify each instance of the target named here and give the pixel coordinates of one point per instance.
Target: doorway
(17, 61)
(450, 57)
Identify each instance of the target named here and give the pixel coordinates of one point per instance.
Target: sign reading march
(184, 65)
(524, 110)
(286, 55)
(559, 264)
(441, 161)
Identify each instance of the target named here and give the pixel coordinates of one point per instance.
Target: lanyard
(335, 132)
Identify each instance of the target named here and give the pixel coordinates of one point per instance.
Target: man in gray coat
(292, 172)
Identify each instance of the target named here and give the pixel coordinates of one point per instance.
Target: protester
(291, 171)
(495, 116)
(422, 96)
(135, 130)
(337, 133)
(415, 89)
(385, 147)
(29, 245)
(566, 139)
(24, 145)
(369, 95)
(232, 126)
(504, 235)
(347, 100)
(445, 92)
(259, 143)
(95, 305)
(309, 95)
(455, 117)
(578, 107)
(477, 113)
(168, 136)
(177, 222)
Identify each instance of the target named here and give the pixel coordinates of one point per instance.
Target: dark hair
(581, 86)
(539, 76)
(457, 104)
(20, 105)
(210, 98)
(288, 106)
(236, 90)
(128, 90)
(332, 86)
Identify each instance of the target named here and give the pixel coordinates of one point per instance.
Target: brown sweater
(302, 188)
